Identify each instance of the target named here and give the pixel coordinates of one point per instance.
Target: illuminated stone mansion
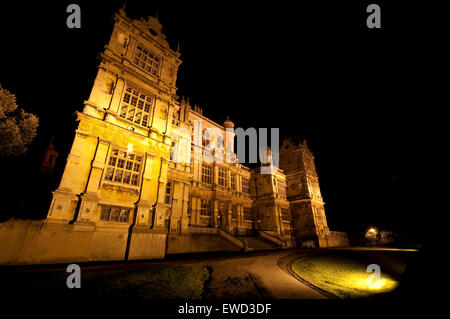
(123, 196)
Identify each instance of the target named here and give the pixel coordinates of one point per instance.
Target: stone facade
(303, 193)
(125, 193)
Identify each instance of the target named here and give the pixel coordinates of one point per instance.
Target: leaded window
(115, 214)
(206, 138)
(219, 142)
(136, 106)
(233, 181)
(146, 60)
(223, 178)
(205, 207)
(245, 185)
(281, 188)
(206, 173)
(123, 167)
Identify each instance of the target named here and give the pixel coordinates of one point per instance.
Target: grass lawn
(154, 282)
(343, 276)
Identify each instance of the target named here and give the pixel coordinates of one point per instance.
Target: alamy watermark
(74, 279)
(210, 145)
(374, 279)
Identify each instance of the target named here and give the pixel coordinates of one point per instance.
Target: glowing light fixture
(130, 148)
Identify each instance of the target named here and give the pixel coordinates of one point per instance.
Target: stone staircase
(263, 241)
(252, 243)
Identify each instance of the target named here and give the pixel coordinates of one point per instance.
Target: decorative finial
(124, 5)
(156, 15)
(305, 144)
(178, 47)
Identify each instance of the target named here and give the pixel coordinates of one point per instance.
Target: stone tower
(116, 173)
(303, 193)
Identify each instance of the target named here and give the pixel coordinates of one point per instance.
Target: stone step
(256, 243)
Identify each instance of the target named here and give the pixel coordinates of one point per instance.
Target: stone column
(74, 178)
(144, 207)
(160, 209)
(194, 212)
(229, 216)
(215, 213)
(215, 175)
(185, 208)
(198, 206)
(240, 216)
(278, 219)
(88, 208)
(238, 183)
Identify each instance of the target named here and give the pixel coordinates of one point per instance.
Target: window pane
(109, 174)
(114, 214)
(112, 161)
(105, 213)
(130, 114)
(126, 177)
(118, 175)
(124, 215)
(123, 111)
(137, 119)
(129, 165)
(135, 180)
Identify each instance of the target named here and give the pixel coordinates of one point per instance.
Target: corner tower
(308, 218)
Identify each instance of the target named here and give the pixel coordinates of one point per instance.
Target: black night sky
(313, 70)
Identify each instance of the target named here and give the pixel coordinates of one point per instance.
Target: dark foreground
(207, 278)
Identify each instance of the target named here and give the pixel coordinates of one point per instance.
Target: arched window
(219, 142)
(206, 137)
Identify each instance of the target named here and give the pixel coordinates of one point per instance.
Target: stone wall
(338, 239)
(197, 243)
(25, 242)
(40, 242)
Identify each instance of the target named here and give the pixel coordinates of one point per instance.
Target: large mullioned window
(281, 188)
(146, 60)
(223, 178)
(205, 207)
(233, 181)
(206, 173)
(115, 214)
(123, 167)
(136, 106)
(245, 185)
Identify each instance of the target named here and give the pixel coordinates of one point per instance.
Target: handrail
(271, 238)
(230, 238)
